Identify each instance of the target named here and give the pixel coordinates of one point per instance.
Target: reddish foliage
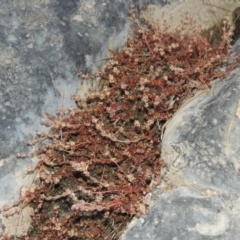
(104, 157)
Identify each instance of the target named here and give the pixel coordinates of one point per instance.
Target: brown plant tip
(101, 159)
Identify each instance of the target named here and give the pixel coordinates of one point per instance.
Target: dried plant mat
(99, 161)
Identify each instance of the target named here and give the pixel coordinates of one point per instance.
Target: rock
(199, 197)
(43, 44)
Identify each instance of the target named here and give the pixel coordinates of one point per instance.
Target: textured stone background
(44, 42)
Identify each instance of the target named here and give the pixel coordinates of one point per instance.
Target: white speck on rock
(215, 121)
(142, 220)
(155, 221)
(78, 18)
(221, 225)
(8, 104)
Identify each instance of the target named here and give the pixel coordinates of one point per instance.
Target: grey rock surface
(43, 44)
(199, 197)
(184, 213)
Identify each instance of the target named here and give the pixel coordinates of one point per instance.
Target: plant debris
(99, 161)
